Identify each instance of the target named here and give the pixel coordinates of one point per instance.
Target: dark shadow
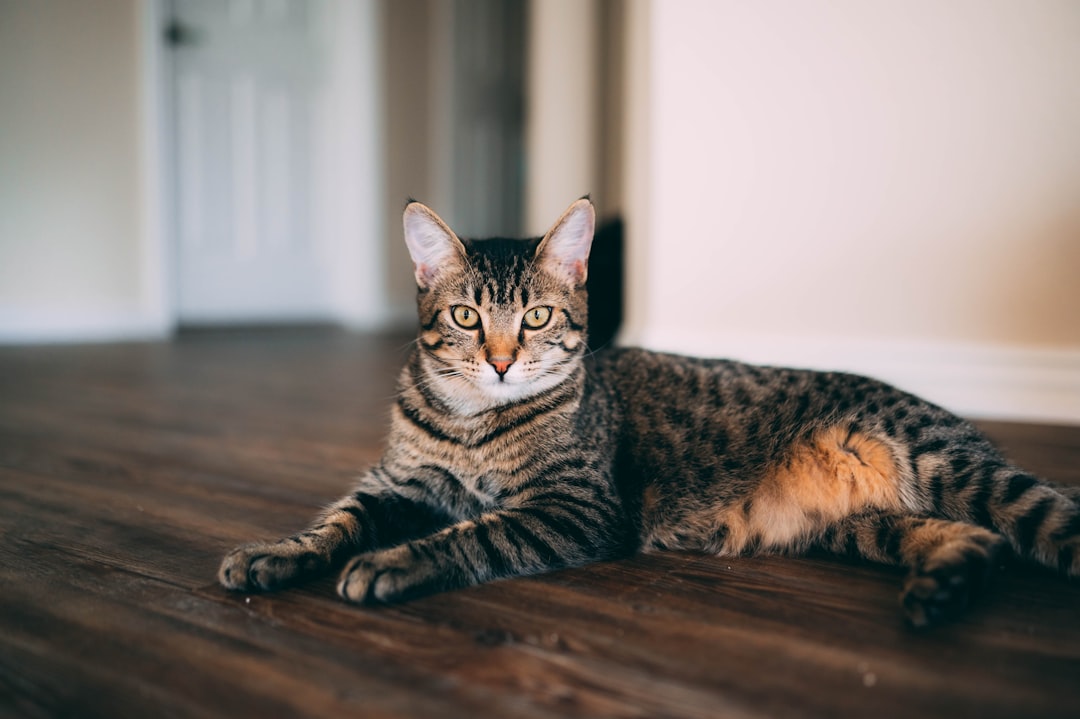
(605, 283)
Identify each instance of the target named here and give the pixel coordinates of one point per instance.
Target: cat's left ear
(564, 251)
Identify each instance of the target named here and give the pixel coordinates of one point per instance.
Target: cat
(514, 450)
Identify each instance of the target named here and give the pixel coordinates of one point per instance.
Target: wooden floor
(127, 471)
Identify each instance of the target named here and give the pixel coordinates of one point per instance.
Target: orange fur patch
(833, 475)
(501, 346)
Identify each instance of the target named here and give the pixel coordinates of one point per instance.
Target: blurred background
(886, 187)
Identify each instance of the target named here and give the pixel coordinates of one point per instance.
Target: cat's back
(657, 385)
(682, 388)
(697, 423)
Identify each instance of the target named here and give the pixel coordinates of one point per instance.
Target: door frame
(156, 168)
(349, 171)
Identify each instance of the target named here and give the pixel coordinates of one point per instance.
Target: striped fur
(512, 452)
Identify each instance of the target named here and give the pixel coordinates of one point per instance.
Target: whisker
(409, 344)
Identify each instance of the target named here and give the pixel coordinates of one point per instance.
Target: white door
(247, 74)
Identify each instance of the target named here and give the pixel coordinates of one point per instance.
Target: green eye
(466, 317)
(537, 317)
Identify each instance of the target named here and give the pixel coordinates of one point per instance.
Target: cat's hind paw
(942, 590)
(266, 566)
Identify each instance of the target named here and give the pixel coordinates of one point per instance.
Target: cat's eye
(537, 317)
(466, 317)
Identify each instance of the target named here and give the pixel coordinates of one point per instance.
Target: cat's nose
(501, 364)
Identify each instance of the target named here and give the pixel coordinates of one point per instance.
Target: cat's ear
(564, 251)
(433, 246)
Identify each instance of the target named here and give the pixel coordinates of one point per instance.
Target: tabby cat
(513, 450)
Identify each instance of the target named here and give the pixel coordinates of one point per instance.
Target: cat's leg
(959, 474)
(1040, 520)
(949, 561)
(507, 543)
(361, 521)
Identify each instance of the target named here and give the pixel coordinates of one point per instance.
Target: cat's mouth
(502, 379)
(512, 384)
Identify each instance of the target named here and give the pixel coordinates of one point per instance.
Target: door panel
(247, 76)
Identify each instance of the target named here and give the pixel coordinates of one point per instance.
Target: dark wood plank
(127, 470)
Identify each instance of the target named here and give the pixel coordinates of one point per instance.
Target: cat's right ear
(433, 246)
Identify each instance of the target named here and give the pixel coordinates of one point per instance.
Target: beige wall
(906, 170)
(903, 170)
(848, 172)
(69, 162)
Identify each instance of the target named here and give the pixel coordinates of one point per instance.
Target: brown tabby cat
(512, 451)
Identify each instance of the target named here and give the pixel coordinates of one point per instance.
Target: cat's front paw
(391, 575)
(265, 566)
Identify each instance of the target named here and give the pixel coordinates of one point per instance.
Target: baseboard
(974, 380)
(70, 326)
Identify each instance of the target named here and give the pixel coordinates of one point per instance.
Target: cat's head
(500, 320)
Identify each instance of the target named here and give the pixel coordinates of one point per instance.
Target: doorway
(271, 136)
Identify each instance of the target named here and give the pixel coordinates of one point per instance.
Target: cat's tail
(1040, 520)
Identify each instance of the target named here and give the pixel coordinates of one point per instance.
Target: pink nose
(501, 364)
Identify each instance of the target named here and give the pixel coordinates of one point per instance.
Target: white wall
(84, 167)
(71, 229)
(892, 188)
